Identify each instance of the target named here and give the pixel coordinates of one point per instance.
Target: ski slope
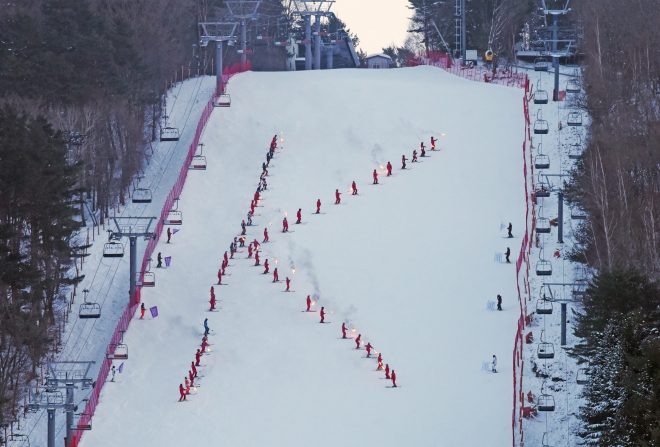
(408, 264)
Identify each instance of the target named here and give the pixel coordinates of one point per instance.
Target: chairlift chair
(117, 351)
(542, 161)
(574, 119)
(540, 64)
(579, 291)
(544, 307)
(540, 125)
(89, 310)
(546, 402)
(540, 96)
(545, 440)
(577, 213)
(148, 279)
(543, 187)
(543, 268)
(80, 425)
(174, 217)
(572, 86)
(169, 134)
(545, 350)
(113, 250)
(222, 100)
(141, 195)
(582, 376)
(198, 163)
(542, 225)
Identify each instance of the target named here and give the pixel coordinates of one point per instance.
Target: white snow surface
(408, 264)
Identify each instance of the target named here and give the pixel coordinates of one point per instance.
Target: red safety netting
(499, 76)
(132, 306)
(522, 284)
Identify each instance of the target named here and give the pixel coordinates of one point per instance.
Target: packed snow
(407, 263)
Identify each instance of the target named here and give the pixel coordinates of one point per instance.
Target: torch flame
(293, 271)
(332, 311)
(313, 302)
(443, 134)
(276, 261)
(286, 214)
(195, 388)
(352, 329)
(208, 349)
(381, 167)
(281, 140)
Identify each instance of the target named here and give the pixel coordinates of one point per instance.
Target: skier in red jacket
(276, 277)
(309, 303)
(433, 140)
(403, 162)
(212, 301)
(249, 251)
(226, 258)
(380, 363)
(265, 236)
(354, 188)
(169, 234)
(393, 379)
(192, 379)
(194, 369)
(198, 356)
(422, 149)
(182, 392)
(357, 341)
(212, 291)
(256, 244)
(252, 206)
(205, 343)
(337, 198)
(142, 309)
(368, 347)
(266, 267)
(318, 206)
(375, 177)
(322, 315)
(387, 371)
(256, 258)
(414, 158)
(285, 225)
(256, 197)
(219, 276)
(343, 330)
(299, 215)
(288, 283)
(389, 168)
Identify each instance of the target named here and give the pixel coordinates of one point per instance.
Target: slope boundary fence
(132, 306)
(475, 73)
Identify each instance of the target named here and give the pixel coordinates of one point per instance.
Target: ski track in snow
(409, 265)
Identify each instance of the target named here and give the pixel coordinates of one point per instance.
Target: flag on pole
(154, 311)
(168, 259)
(121, 367)
(175, 231)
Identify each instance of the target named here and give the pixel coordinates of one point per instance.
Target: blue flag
(121, 367)
(175, 231)
(154, 311)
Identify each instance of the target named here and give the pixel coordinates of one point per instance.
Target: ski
(287, 291)
(310, 311)
(317, 213)
(390, 386)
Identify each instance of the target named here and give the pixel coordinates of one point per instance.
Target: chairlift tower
(242, 11)
(132, 228)
(460, 35)
(217, 32)
(306, 9)
(555, 13)
(76, 373)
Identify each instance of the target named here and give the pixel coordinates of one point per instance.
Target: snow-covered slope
(408, 264)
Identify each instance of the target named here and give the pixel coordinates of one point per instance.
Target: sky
(378, 23)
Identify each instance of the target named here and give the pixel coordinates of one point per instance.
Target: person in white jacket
(494, 368)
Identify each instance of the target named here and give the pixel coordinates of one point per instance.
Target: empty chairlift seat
(542, 161)
(582, 376)
(543, 268)
(141, 195)
(541, 127)
(540, 64)
(546, 402)
(173, 217)
(572, 86)
(542, 225)
(198, 163)
(84, 422)
(169, 134)
(113, 250)
(544, 307)
(117, 351)
(540, 97)
(574, 119)
(222, 100)
(148, 279)
(89, 310)
(577, 213)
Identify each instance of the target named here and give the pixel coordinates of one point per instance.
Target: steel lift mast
(306, 9)
(242, 11)
(555, 13)
(218, 32)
